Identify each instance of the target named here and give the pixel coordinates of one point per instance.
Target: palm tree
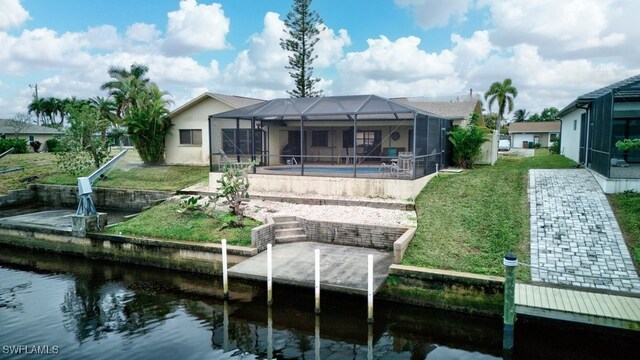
(148, 123)
(50, 108)
(504, 93)
(125, 85)
(520, 115)
(37, 108)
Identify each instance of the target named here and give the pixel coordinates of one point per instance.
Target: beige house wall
(194, 118)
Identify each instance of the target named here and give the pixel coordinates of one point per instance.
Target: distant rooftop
(31, 129)
(454, 109)
(534, 127)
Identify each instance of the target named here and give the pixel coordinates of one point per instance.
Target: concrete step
(291, 239)
(286, 232)
(281, 219)
(287, 225)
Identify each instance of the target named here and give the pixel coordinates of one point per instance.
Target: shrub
(628, 145)
(466, 145)
(19, 145)
(75, 163)
(537, 146)
(54, 145)
(555, 147)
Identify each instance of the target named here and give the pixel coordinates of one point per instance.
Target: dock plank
(579, 306)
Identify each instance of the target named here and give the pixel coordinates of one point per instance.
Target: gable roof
(535, 127)
(451, 109)
(30, 129)
(325, 107)
(231, 100)
(629, 87)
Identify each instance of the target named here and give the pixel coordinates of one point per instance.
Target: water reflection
(106, 311)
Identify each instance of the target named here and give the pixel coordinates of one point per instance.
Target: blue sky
(552, 50)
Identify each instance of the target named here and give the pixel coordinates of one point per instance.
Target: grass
(123, 176)
(163, 221)
(627, 209)
(468, 221)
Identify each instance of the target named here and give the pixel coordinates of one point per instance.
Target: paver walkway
(575, 238)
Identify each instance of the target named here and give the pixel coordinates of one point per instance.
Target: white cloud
(398, 68)
(469, 52)
(330, 47)
(42, 48)
(195, 28)
(260, 70)
(103, 37)
(12, 14)
(143, 32)
(436, 13)
(544, 82)
(558, 28)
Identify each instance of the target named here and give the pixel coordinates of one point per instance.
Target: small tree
(467, 142)
(80, 139)
(19, 122)
(234, 186)
(302, 30)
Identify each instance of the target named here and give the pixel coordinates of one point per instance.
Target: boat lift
(9, 170)
(86, 206)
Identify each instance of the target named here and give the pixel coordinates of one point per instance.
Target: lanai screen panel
(600, 134)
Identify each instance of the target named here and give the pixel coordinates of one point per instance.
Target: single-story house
(188, 141)
(524, 134)
(591, 126)
(360, 145)
(30, 132)
(459, 110)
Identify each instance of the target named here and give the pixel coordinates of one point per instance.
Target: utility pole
(36, 97)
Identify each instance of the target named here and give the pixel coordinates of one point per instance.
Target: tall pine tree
(302, 30)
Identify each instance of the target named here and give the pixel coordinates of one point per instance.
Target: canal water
(54, 306)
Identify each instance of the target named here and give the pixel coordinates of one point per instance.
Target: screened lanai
(364, 136)
(612, 114)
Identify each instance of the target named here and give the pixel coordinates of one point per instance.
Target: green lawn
(127, 174)
(468, 221)
(627, 209)
(163, 221)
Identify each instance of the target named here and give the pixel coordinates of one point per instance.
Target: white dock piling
(317, 256)
(370, 289)
(269, 334)
(225, 277)
(317, 338)
(269, 276)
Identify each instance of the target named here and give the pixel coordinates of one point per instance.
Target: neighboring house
(594, 122)
(524, 134)
(29, 132)
(188, 141)
(459, 110)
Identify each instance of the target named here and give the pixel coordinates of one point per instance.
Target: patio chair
(405, 164)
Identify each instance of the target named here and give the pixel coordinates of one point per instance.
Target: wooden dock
(578, 306)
